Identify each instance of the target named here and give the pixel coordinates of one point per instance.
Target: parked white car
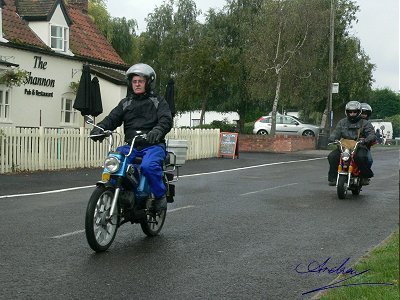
(285, 125)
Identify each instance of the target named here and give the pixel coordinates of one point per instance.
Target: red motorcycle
(348, 172)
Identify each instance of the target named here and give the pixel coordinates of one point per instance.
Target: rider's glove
(154, 136)
(99, 134)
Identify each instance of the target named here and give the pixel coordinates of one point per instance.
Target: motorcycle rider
(366, 112)
(142, 111)
(352, 127)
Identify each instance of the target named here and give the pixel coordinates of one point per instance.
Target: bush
(224, 126)
(396, 124)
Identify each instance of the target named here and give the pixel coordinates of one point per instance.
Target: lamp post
(331, 46)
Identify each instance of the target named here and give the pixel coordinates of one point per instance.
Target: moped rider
(142, 111)
(366, 112)
(352, 127)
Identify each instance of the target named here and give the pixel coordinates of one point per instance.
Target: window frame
(73, 113)
(5, 108)
(62, 40)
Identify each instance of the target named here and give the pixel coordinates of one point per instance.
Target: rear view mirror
(88, 119)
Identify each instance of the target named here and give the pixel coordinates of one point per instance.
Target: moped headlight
(112, 164)
(345, 156)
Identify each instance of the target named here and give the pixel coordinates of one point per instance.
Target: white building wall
(188, 119)
(42, 29)
(31, 110)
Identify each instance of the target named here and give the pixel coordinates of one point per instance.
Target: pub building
(51, 41)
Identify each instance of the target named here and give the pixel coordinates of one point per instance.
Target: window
(289, 120)
(195, 122)
(68, 113)
(59, 38)
(4, 104)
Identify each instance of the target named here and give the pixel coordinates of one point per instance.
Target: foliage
(120, 32)
(384, 103)
(123, 33)
(74, 86)
(223, 125)
(395, 119)
(14, 77)
(230, 62)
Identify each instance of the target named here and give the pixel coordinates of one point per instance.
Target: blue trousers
(151, 165)
(370, 160)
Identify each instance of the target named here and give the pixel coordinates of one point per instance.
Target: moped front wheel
(154, 221)
(100, 227)
(342, 187)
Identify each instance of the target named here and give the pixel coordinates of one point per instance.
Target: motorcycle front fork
(348, 174)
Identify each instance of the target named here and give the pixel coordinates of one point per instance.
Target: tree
(120, 32)
(276, 55)
(123, 39)
(352, 69)
(385, 103)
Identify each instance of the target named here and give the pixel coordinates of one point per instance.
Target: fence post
(81, 147)
(41, 148)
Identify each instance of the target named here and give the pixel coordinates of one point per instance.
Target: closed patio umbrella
(88, 98)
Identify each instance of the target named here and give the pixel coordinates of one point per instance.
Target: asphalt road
(237, 230)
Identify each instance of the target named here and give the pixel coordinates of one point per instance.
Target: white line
(182, 176)
(272, 188)
(68, 234)
(82, 231)
(251, 167)
(47, 192)
(180, 208)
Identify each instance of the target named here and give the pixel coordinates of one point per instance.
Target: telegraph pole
(331, 46)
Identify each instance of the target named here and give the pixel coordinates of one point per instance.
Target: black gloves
(154, 136)
(98, 134)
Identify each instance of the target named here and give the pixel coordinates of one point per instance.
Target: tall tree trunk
(275, 105)
(203, 111)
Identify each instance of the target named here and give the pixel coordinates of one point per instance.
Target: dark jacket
(139, 113)
(352, 131)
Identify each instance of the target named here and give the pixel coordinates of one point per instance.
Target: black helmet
(145, 71)
(353, 106)
(366, 109)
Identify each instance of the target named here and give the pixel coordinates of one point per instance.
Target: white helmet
(145, 71)
(353, 106)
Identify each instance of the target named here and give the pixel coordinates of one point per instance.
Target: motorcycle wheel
(154, 223)
(356, 190)
(99, 227)
(342, 187)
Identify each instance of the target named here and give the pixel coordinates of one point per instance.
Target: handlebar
(337, 142)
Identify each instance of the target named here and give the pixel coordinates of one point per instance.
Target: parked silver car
(285, 125)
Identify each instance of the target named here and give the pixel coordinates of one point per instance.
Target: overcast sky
(377, 28)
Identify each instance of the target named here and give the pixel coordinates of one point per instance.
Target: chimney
(82, 5)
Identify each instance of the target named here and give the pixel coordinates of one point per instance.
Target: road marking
(179, 208)
(82, 231)
(182, 176)
(251, 167)
(268, 189)
(47, 192)
(67, 234)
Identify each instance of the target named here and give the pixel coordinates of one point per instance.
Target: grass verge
(383, 265)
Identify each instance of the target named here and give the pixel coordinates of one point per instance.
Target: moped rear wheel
(154, 221)
(100, 227)
(342, 187)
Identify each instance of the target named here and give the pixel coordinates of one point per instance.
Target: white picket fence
(32, 149)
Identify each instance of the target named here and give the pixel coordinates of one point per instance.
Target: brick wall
(279, 143)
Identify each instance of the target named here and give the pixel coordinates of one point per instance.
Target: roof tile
(86, 41)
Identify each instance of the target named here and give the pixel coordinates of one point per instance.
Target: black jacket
(139, 113)
(352, 131)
